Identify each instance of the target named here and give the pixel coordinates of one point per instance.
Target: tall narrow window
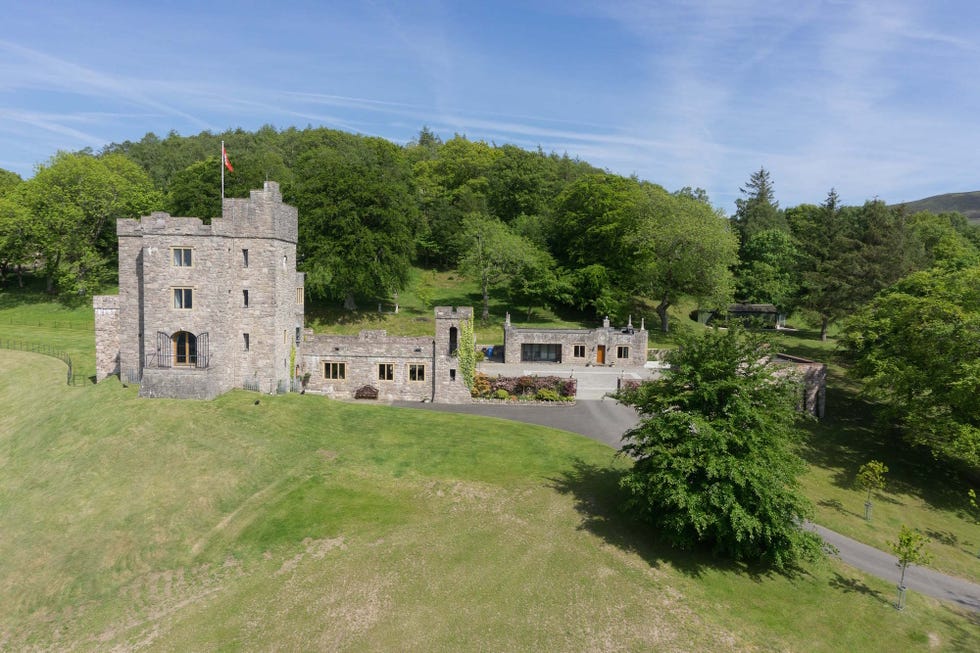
(299, 335)
(182, 257)
(245, 298)
(244, 258)
(245, 340)
(299, 295)
(183, 298)
(453, 338)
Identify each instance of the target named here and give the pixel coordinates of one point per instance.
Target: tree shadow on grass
(849, 436)
(963, 625)
(853, 585)
(943, 537)
(600, 500)
(838, 506)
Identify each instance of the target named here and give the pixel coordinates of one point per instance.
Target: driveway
(604, 420)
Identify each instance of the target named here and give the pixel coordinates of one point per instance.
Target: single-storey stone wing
(204, 308)
(602, 346)
(376, 365)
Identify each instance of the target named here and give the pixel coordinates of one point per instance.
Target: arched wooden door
(184, 349)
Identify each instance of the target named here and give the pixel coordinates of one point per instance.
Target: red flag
(224, 157)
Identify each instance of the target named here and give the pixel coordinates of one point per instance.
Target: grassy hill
(966, 203)
(300, 523)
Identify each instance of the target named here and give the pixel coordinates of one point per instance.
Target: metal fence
(46, 350)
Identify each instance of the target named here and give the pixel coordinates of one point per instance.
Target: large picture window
(531, 352)
(416, 372)
(184, 298)
(337, 371)
(182, 257)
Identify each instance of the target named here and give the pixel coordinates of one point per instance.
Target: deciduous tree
(492, 254)
(681, 247)
(356, 214)
(917, 348)
(713, 456)
(74, 201)
(870, 477)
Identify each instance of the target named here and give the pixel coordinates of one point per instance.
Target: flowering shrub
(526, 387)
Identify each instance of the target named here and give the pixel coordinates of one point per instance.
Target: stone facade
(106, 336)
(813, 381)
(607, 345)
(405, 368)
(205, 308)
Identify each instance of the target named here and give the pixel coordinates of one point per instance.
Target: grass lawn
(919, 491)
(429, 288)
(299, 523)
(32, 316)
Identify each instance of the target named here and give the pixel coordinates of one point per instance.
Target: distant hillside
(966, 203)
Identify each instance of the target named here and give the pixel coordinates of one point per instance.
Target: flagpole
(221, 163)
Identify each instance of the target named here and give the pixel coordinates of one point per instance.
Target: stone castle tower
(204, 308)
(448, 383)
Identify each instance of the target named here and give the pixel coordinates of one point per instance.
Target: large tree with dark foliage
(758, 210)
(917, 348)
(713, 457)
(356, 214)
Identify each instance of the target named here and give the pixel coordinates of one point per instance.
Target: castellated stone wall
(399, 368)
(239, 313)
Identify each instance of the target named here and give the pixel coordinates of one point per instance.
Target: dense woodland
(544, 229)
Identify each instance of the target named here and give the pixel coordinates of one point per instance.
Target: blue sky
(872, 98)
